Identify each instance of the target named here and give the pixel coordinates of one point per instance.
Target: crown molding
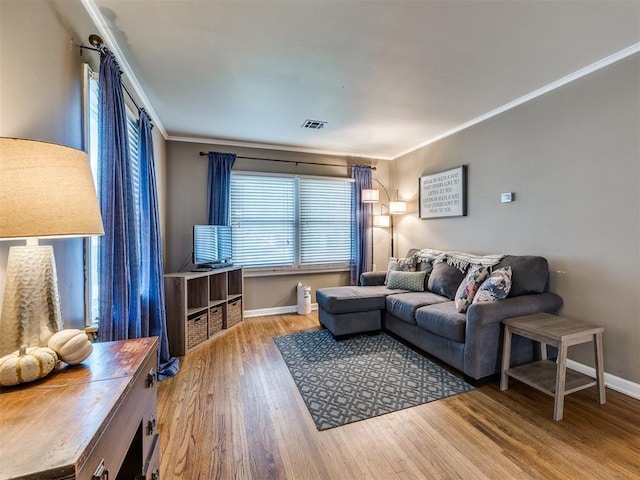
(605, 62)
(105, 32)
(270, 146)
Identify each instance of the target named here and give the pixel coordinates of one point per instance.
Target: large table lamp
(46, 191)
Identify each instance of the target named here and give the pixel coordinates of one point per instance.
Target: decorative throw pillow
(424, 266)
(445, 279)
(469, 286)
(400, 265)
(496, 287)
(413, 281)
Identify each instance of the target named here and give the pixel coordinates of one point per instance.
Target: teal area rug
(361, 377)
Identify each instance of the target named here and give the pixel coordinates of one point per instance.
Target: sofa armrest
(483, 333)
(480, 314)
(370, 279)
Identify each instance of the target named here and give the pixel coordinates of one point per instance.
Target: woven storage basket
(234, 313)
(215, 320)
(196, 330)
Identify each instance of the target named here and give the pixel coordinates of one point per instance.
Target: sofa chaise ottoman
(348, 310)
(471, 341)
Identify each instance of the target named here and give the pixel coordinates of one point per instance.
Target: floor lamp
(46, 191)
(395, 207)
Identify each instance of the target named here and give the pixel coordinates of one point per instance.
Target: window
(93, 147)
(285, 221)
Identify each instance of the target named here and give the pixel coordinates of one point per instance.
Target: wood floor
(233, 412)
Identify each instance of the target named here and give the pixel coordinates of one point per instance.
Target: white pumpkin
(26, 365)
(71, 345)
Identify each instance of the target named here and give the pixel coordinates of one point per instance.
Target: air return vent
(313, 124)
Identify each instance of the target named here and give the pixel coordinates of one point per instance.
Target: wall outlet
(506, 197)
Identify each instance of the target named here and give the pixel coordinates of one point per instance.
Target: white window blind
(290, 221)
(263, 220)
(325, 221)
(133, 132)
(91, 245)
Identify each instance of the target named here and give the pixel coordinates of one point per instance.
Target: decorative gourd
(71, 345)
(26, 365)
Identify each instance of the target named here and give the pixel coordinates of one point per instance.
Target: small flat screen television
(211, 246)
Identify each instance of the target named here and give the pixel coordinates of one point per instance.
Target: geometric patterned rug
(361, 377)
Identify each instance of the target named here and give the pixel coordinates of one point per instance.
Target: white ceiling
(387, 76)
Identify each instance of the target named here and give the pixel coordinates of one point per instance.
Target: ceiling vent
(313, 124)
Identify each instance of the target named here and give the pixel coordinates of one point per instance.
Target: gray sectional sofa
(470, 342)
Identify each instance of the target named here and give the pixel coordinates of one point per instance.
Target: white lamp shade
(370, 195)
(381, 220)
(397, 208)
(46, 190)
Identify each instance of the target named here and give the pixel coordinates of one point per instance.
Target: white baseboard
(261, 312)
(614, 383)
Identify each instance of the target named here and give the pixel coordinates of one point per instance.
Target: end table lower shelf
(542, 375)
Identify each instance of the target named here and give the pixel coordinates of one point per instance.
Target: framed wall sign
(444, 194)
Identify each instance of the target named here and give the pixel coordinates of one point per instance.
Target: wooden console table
(92, 421)
(554, 379)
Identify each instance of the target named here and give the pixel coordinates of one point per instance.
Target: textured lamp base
(31, 305)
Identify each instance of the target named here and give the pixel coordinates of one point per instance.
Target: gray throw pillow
(530, 273)
(445, 279)
(413, 281)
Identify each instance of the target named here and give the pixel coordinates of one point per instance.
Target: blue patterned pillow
(469, 286)
(496, 287)
(413, 281)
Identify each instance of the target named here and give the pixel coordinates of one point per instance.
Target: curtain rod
(205, 154)
(98, 46)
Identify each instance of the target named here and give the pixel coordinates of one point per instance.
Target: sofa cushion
(529, 273)
(469, 286)
(353, 299)
(413, 281)
(404, 305)
(443, 319)
(445, 279)
(496, 287)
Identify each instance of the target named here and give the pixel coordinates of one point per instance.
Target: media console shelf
(201, 304)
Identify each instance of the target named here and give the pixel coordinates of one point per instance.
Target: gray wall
(41, 98)
(41, 95)
(572, 158)
(187, 194)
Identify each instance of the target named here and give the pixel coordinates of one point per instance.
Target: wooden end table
(554, 379)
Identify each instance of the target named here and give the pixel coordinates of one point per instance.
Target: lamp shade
(369, 195)
(381, 220)
(397, 207)
(46, 190)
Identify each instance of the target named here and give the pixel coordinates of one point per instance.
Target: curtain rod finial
(96, 41)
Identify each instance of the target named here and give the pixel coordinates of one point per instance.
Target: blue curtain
(118, 255)
(219, 187)
(361, 248)
(153, 317)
